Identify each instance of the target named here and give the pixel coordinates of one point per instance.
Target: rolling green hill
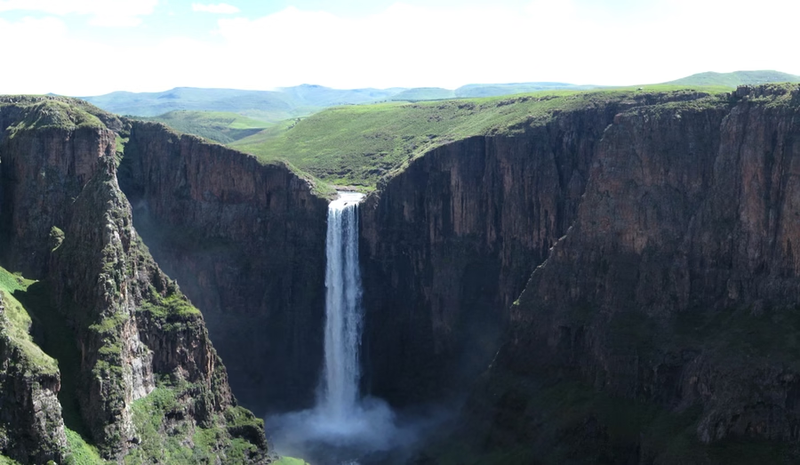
(357, 145)
(736, 78)
(223, 127)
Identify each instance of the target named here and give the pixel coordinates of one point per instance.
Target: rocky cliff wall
(134, 335)
(659, 232)
(450, 242)
(30, 414)
(674, 289)
(246, 241)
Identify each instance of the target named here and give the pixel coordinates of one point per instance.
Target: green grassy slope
(736, 78)
(219, 126)
(20, 321)
(357, 145)
(25, 309)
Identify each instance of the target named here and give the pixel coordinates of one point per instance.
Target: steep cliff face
(134, 336)
(30, 415)
(672, 295)
(450, 243)
(246, 242)
(660, 312)
(43, 186)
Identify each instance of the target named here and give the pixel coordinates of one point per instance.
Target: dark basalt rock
(654, 243)
(246, 241)
(67, 223)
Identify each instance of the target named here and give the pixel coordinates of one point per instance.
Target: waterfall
(341, 373)
(342, 428)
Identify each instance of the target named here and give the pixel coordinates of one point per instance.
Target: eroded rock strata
(246, 241)
(451, 241)
(661, 308)
(145, 381)
(665, 317)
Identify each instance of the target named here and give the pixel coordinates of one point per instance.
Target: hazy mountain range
(227, 115)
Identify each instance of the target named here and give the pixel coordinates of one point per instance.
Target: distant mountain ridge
(736, 78)
(264, 105)
(291, 102)
(228, 115)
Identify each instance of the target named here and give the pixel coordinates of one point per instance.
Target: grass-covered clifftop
(358, 145)
(45, 111)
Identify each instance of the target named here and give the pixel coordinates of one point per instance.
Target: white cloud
(405, 46)
(221, 8)
(48, 59)
(105, 13)
(546, 40)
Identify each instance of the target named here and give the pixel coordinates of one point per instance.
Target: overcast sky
(92, 47)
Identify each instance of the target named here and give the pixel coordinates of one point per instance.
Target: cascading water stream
(342, 427)
(339, 390)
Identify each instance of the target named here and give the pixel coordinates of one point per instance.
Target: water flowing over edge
(343, 427)
(341, 373)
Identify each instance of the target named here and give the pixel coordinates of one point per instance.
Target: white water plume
(342, 373)
(343, 428)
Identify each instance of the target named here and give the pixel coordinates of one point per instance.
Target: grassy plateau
(219, 126)
(357, 145)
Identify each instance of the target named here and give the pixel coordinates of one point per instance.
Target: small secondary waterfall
(339, 390)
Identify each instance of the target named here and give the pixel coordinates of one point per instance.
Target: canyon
(613, 282)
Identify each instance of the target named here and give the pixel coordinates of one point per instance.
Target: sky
(93, 47)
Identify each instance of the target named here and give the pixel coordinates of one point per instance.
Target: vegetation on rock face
(358, 145)
(31, 427)
(165, 438)
(81, 452)
(101, 307)
(19, 322)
